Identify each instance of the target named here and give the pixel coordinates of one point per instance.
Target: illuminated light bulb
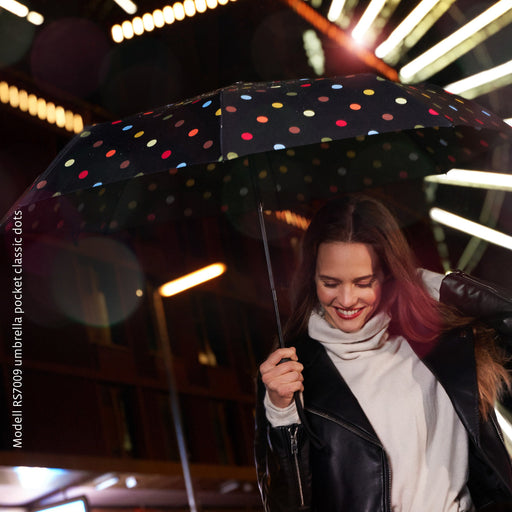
(471, 228)
(4, 92)
(50, 112)
(15, 7)
(211, 4)
(78, 123)
(158, 18)
(223, 2)
(189, 8)
(168, 14)
(127, 29)
(41, 109)
(483, 82)
(201, 6)
(149, 24)
(138, 25)
(69, 124)
(13, 96)
(23, 100)
(457, 44)
(117, 33)
(131, 481)
(32, 104)
(193, 279)
(367, 19)
(60, 117)
(179, 11)
(474, 179)
(127, 5)
(35, 18)
(335, 10)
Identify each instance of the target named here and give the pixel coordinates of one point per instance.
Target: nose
(346, 296)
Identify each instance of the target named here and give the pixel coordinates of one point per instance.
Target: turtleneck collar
(353, 345)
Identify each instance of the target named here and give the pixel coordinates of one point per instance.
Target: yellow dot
(69, 163)
(309, 113)
(262, 174)
(290, 152)
(283, 169)
(219, 112)
(138, 134)
(211, 167)
(291, 94)
(351, 154)
(326, 139)
(369, 92)
(277, 105)
(207, 195)
(190, 183)
(132, 205)
(232, 155)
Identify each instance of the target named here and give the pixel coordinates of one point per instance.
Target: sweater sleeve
(279, 417)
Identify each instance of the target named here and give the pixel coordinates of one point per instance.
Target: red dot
(110, 153)
(97, 144)
(306, 85)
(166, 154)
(60, 224)
(484, 143)
(355, 106)
(333, 189)
(125, 164)
(247, 136)
(224, 208)
(193, 132)
(294, 129)
(433, 112)
(208, 144)
(147, 113)
(151, 217)
(451, 158)
(340, 122)
(117, 122)
(173, 171)
(262, 119)
(478, 121)
(179, 123)
(230, 109)
(403, 174)
(323, 99)
(387, 117)
(83, 174)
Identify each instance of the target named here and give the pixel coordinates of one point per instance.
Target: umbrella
(283, 144)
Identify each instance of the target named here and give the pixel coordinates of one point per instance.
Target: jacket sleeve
(282, 463)
(479, 299)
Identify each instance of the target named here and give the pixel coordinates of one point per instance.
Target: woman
(397, 389)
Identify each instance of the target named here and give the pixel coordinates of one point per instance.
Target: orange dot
(387, 117)
(262, 119)
(355, 106)
(193, 132)
(294, 129)
(110, 153)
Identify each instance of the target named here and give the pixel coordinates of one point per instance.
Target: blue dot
(279, 146)
(183, 164)
(337, 86)
(98, 184)
(373, 132)
(207, 103)
(486, 113)
(451, 106)
(127, 127)
(246, 97)
(443, 142)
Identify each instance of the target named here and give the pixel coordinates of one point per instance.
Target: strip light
(411, 29)
(483, 82)
(22, 11)
(161, 17)
(335, 10)
(193, 279)
(41, 108)
(471, 228)
(475, 179)
(127, 5)
(367, 19)
(458, 43)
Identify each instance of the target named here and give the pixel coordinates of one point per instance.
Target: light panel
(368, 17)
(193, 279)
(474, 179)
(471, 228)
(458, 43)
(21, 10)
(335, 10)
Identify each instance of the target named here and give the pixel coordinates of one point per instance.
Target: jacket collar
(451, 360)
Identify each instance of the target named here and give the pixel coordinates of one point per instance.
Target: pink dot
(230, 109)
(97, 144)
(208, 144)
(478, 121)
(247, 136)
(179, 123)
(451, 158)
(333, 189)
(403, 174)
(60, 224)
(355, 106)
(151, 217)
(83, 174)
(323, 99)
(306, 85)
(433, 112)
(166, 154)
(117, 122)
(449, 118)
(341, 122)
(41, 184)
(224, 208)
(147, 113)
(125, 164)
(193, 132)
(484, 143)
(262, 119)
(110, 153)
(387, 117)
(294, 129)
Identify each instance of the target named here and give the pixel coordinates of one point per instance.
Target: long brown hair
(414, 313)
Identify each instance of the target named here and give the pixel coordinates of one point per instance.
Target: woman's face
(348, 283)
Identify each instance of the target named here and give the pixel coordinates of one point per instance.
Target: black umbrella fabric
(282, 143)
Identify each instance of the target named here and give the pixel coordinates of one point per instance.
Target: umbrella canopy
(282, 143)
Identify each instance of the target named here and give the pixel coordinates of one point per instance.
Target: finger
(276, 356)
(281, 369)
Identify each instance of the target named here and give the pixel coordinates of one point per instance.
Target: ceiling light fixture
(474, 179)
(458, 43)
(483, 82)
(471, 228)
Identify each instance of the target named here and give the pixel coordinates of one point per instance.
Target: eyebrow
(356, 280)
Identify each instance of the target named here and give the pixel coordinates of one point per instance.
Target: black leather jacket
(350, 471)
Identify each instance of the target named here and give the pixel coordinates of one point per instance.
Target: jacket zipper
(357, 432)
(294, 445)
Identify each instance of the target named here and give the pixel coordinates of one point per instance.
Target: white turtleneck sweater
(425, 441)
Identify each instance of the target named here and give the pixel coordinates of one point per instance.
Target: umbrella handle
(270, 274)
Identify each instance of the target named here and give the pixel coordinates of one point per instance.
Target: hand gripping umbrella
(276, 144)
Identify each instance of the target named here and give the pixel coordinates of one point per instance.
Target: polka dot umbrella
(283, 143)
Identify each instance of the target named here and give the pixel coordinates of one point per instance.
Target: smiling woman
(388, 378)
